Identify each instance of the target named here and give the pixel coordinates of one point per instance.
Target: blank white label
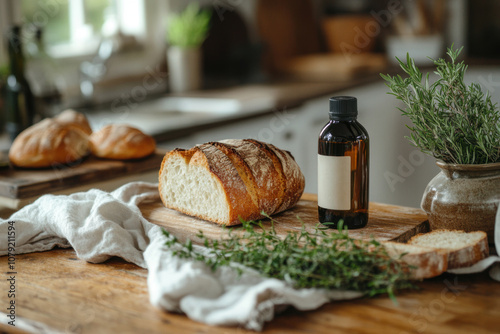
(334, 182)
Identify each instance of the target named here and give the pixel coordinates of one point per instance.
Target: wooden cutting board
(385, 222)
(18, 183)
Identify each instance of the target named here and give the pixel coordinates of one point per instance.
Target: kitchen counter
(57, 292)
(164, 118)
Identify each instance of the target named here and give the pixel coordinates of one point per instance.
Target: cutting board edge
(119, 168)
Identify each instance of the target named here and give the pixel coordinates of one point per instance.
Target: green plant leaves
(453, 122)
(305, 260)
(189, 28)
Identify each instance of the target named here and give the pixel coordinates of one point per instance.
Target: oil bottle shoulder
(345, 130)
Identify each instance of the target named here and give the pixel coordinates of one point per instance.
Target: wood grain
(25, 183)
(58, 293)
(386, 222)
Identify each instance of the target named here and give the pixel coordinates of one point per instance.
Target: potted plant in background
(185, 33)
(460, 126)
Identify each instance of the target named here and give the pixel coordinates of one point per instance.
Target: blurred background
(267, 69)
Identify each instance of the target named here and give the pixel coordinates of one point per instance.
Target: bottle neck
(16, 55)
(336, 118)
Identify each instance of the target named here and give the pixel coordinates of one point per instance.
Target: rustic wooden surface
(23, 183)
(58, 293)
(385, 222)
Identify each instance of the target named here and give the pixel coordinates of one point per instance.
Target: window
(73, 31)
(75, 27)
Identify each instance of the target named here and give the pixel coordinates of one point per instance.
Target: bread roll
(71, 117)
(226, 181)
(122, 142)
(48, 143)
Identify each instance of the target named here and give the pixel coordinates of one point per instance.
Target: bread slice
(424, 262)
(463, 248)
(230, 180)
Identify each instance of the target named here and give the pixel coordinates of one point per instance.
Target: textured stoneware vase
(464, 197)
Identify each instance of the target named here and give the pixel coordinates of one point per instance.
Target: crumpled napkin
(99, 225)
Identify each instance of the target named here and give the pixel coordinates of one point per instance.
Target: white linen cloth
(99, 225)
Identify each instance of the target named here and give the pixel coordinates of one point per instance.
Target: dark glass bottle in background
(343, 167)
(19, 101)
(41, 73)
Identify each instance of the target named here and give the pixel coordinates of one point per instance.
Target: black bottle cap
(343, 107)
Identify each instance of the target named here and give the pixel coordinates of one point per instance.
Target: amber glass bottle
(343, 167)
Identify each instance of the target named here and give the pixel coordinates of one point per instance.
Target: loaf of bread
(48, 143)
(463, 248)
(122, 142)
(71, 117)
(226, 181)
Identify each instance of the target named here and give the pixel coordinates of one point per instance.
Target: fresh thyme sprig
(303, 259)
(453, 122)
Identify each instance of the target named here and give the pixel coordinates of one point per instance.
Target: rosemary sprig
(303, 259)
(453, 122)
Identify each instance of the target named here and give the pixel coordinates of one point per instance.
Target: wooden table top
(58, 293)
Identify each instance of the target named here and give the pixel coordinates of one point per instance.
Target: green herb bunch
(188, 28)
(304, 260)
(453, 122)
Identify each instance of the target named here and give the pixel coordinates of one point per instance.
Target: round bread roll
(73, 118)
(48, 143)
(122, 142)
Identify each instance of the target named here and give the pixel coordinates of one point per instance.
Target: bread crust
(236, 192)
(121, 142)
(280, 181)
(48, 143)
(73, 118)
(251, 173)
(257, 171)
(294, 179)
(240, 204)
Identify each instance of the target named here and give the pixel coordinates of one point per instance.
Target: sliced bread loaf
(230, 180)
(463, 248)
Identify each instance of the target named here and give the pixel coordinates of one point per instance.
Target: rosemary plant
(453, 122)
(304, 260)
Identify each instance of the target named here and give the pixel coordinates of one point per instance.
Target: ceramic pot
(184, 67)
(464, 197)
